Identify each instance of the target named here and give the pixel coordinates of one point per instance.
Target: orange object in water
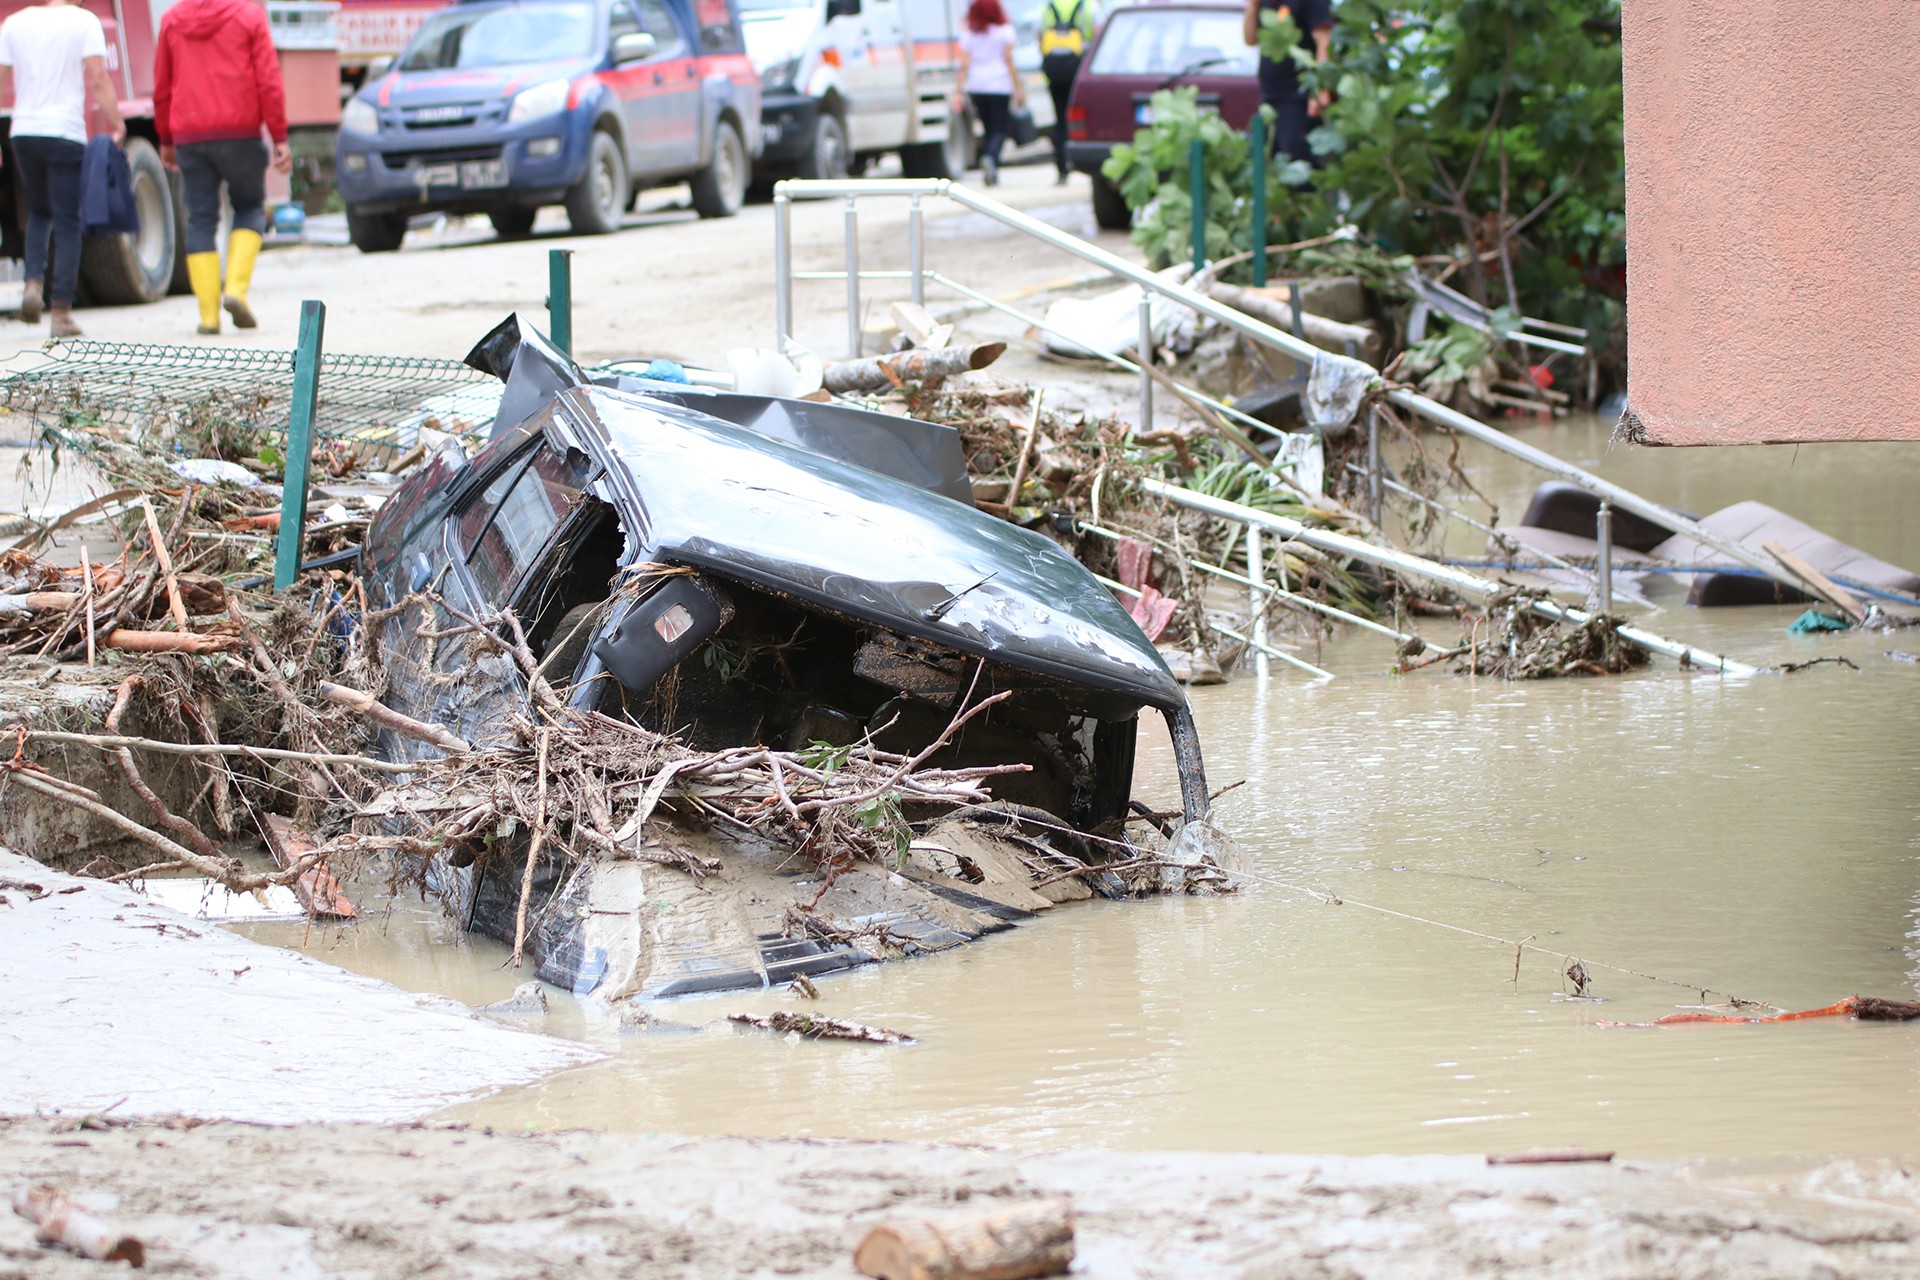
(1864, 1008)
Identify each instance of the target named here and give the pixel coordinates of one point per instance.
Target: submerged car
(742, 570)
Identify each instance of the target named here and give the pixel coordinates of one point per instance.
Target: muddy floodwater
(1755, 837)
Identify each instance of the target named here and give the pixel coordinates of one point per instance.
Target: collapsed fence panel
(376, 403)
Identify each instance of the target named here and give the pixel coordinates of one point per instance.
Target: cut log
(1322, 332)
(1010, 1243)
(57, 1220)
(881, 373)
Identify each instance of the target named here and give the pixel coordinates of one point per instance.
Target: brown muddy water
(1756, 837)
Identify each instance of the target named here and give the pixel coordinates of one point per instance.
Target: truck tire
(947, 158)
(1109, 206)
(512, 222)
(376, 232)
(124, 269)
(827, 155)
(721, 188)
(595, 203)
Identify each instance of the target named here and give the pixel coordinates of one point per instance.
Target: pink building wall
(1773, 220)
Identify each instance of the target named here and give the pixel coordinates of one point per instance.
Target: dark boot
(63, 325)
(30, 297)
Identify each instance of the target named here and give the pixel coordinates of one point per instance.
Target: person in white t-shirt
(988, 77)
(51, 55)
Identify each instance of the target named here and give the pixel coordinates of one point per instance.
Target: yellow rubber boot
(203, 271)
(243, 247)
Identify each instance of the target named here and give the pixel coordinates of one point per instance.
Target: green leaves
(1154, 174)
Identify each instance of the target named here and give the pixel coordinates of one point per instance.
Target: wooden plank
(919, 325)
(318, 891)
(1819, 583)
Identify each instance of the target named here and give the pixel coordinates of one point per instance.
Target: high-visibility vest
(1066, 33)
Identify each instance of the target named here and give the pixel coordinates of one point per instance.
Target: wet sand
(230, 1200)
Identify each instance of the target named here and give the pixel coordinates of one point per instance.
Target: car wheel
(946, 158)
(133, 267)
(376, 232)
(1109, 206)
(512, 222)
(721, 188)
(596, 201)
(827, 157)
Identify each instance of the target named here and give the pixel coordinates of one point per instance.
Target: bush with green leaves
(1154, 174)
(1488, 131)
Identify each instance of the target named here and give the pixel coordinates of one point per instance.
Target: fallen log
(1011, 1243)
(200, 593)
(169, 641)
(1553, 1155)
(58, 1220)
(1322, 332)
(381, 714)
(883, 373)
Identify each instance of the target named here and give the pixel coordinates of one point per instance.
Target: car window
(658, 21)
(498, 37)
(621, 22)
(510, 522)
(1166, 42)
(715, 20)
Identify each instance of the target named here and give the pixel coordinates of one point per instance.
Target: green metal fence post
(299, 459)
(560, 298)
(1258, 141)
(1197, 166)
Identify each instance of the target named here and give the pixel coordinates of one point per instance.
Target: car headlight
(542, 100)
(779, 77)
(359, 116)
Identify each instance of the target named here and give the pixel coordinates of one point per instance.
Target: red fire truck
(147, 266)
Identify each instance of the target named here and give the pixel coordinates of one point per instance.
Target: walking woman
(51, 55)
(987, 76)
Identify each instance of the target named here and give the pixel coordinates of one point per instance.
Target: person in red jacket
(216, 85)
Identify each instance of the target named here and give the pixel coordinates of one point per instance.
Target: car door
(887, 80)
(672, 93)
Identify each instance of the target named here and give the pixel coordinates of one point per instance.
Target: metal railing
(918, 190)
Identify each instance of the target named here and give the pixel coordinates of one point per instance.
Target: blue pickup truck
(504, 106)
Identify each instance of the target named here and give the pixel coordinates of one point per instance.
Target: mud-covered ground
(231, 1200)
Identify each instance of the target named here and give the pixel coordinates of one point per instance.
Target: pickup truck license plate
(483, 173)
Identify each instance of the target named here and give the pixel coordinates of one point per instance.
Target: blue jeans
(239, 162)
(50, 171)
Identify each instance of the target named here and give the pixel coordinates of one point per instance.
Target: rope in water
(1519, 945)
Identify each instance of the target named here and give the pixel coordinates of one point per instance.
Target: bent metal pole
(1402, 562)
(1299, 348)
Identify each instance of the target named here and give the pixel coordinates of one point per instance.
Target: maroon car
(1142, 49)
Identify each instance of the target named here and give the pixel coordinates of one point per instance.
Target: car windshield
(1167, 42)
(498, 37)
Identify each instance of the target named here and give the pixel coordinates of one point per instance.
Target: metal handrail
(1299, 348)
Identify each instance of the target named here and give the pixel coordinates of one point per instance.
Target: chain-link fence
(222, 400)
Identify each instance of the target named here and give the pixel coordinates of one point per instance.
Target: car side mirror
(842, 9)
(634, 46)
(379, 67)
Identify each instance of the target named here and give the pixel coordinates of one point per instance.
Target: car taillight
(1076, 122)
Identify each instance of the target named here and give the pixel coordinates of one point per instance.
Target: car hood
(695, 490)
(479, 84)
(774, 35)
